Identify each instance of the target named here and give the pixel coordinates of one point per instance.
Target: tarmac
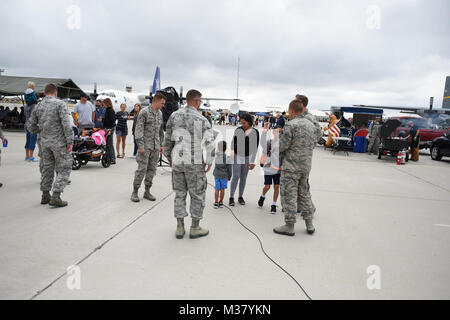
(382, 232)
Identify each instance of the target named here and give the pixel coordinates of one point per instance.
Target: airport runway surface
(371, 215)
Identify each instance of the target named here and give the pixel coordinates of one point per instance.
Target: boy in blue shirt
(222, 173)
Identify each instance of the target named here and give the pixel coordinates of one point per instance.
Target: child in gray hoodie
(271, 163)
(222, 173)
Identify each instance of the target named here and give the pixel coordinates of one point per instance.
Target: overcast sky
(394, 52)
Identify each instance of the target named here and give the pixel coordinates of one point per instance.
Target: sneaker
(231, 202)
(220, 204)
(261, 201)
(216, 205)
(26, 158)
(273, 209)
(32, 160)
(241, 201)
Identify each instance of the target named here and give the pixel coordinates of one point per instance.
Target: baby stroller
(392, 145)
(91, 146)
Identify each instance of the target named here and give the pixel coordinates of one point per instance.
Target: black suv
(440, 147)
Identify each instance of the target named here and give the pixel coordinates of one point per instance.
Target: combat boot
(56, 201)
(287, 229)
(134, 195)
(148, 195)
(179, 234)
(45, 197)
(196, 230)
(309, 226)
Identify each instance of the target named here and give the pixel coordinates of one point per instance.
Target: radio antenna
(237, 85)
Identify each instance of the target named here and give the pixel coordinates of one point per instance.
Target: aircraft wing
(407, 109)
(216, 99)
(142, 97)
(207, 100)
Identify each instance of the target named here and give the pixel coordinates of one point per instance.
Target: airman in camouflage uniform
(374, 136)
(185, 131)
(318, 133)
(297, 142)
(149, 135)
(318, 129)
(51, 121)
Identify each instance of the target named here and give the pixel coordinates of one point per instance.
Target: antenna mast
(237, 87)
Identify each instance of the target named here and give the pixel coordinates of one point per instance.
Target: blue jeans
(110, 146)
(135, 146)
(30, 144)
(240, 172)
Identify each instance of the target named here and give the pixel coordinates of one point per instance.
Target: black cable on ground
(264, 251)
(262, 247)
(102, 245)
(147, 211)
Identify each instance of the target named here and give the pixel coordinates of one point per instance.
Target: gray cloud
(323, 49)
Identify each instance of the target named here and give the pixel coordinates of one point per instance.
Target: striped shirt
(122, 118)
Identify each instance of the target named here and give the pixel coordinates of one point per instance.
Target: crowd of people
(102, 116)
(234, 119)
(286, 159)
(287, 144)
(12, 118)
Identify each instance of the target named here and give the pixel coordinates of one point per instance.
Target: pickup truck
(427, 132)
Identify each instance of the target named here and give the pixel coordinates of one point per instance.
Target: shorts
(30, 140)
(268, 178)
(122, 133)
(221, 183)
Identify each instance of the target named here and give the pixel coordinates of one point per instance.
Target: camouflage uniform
(297, 141)
(374, 140)
(149, 135)
(185, 132)
(318, 131)
(41, 163)
(50, 120)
